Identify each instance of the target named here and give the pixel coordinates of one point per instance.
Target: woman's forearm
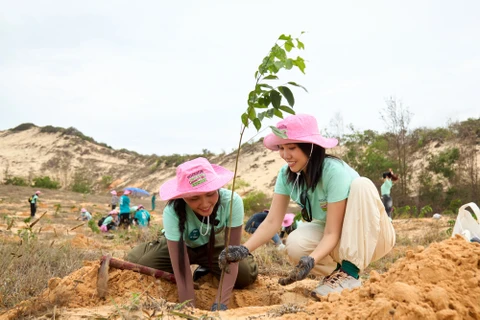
(271, 224)
(185, 282)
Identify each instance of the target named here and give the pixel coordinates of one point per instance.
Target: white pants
(367, 232)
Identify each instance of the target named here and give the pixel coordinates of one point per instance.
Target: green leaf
(287, 93)
(263, 85)
(297, 85)
(279, 52)
(257, 123)
(286, 109)
(271, 77)
(256, 74)
(260, 104)
(288, 64)
(300, 63)
(279, 133)
(300, 44)
(275, 98)
(284, 37)
(245, 119)
(278, 113)
(269, 113)
(251, 113)
(289, 45)
(252, 97)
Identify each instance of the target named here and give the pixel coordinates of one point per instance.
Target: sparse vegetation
(255, 201)
(16, 181)
(45, 182)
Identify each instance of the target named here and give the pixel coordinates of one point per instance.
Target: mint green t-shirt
(386, 187)
(192, 236)
(334, 186)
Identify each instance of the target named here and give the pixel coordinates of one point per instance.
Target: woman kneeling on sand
(196, 214)
(339, 238)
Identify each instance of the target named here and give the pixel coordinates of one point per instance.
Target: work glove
(235, 254)
(302, 269)
(218, 307)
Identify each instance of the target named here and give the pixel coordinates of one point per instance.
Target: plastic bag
(466, 225)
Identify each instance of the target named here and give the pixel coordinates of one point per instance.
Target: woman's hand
(300, 272)
(235, 254)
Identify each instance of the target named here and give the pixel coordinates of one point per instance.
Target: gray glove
(300, 272)
(218, 307)
(235, 254)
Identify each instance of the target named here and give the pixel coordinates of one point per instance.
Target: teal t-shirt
(337, 176)
(124, 204)
(192, 236)
(142, 216)
(34, 199)
(107, 221)
(386, 187)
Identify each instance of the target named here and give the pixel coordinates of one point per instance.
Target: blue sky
(169, 77)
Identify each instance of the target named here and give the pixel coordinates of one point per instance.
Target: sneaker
(281, 247)
(335, 282)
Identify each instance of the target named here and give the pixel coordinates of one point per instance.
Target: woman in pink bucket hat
(196, 219)
(338, 238)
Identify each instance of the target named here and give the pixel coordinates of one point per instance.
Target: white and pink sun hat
(38, 192)
(84, 210)
(195, 177)
(127, 192)
(300, 128)
(113, 192)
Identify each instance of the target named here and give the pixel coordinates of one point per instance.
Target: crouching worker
(109, 222)
(345, 226)
(196, 221)
(288, 225)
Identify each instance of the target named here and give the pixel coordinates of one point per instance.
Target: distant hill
(442, 163)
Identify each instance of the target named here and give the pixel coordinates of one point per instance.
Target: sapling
(267, 101)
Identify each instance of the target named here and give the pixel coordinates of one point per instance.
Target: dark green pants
(155, 255)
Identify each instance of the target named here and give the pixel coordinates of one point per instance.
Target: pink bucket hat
(127, 192)
(113, 212)
(194, 177)
(113, 192)
(299, 128)
(288, 220)
(84, 210)
(38, 192)
(140, 207)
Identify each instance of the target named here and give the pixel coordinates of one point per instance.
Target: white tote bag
(466, 225)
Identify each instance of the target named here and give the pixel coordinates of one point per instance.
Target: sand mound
(440, 282)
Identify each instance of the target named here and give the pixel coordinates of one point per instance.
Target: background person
(339, 238)
(114, 200)
(109, 222)
(124, 210)
(142, 217)
(196, 219)
(256, 219)
(34, 203)
(84, 215)
(388, 179)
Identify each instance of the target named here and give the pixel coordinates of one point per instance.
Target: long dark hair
(180, 207)
(314, 166)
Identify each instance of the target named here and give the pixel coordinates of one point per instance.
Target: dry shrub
(26, 268)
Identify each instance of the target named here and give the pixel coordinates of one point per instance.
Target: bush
(81, 183)
(16, 181)
(255, 201)
(23, 127)
(46, 182)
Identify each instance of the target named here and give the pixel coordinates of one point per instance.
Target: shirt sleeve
(170, 224)
(281, 186)
(238, 211)
(336, 181)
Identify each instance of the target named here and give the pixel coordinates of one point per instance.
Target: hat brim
(169, 190)
(288, 220)
(272, 141)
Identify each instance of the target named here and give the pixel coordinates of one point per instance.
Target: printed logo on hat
(197, 178)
